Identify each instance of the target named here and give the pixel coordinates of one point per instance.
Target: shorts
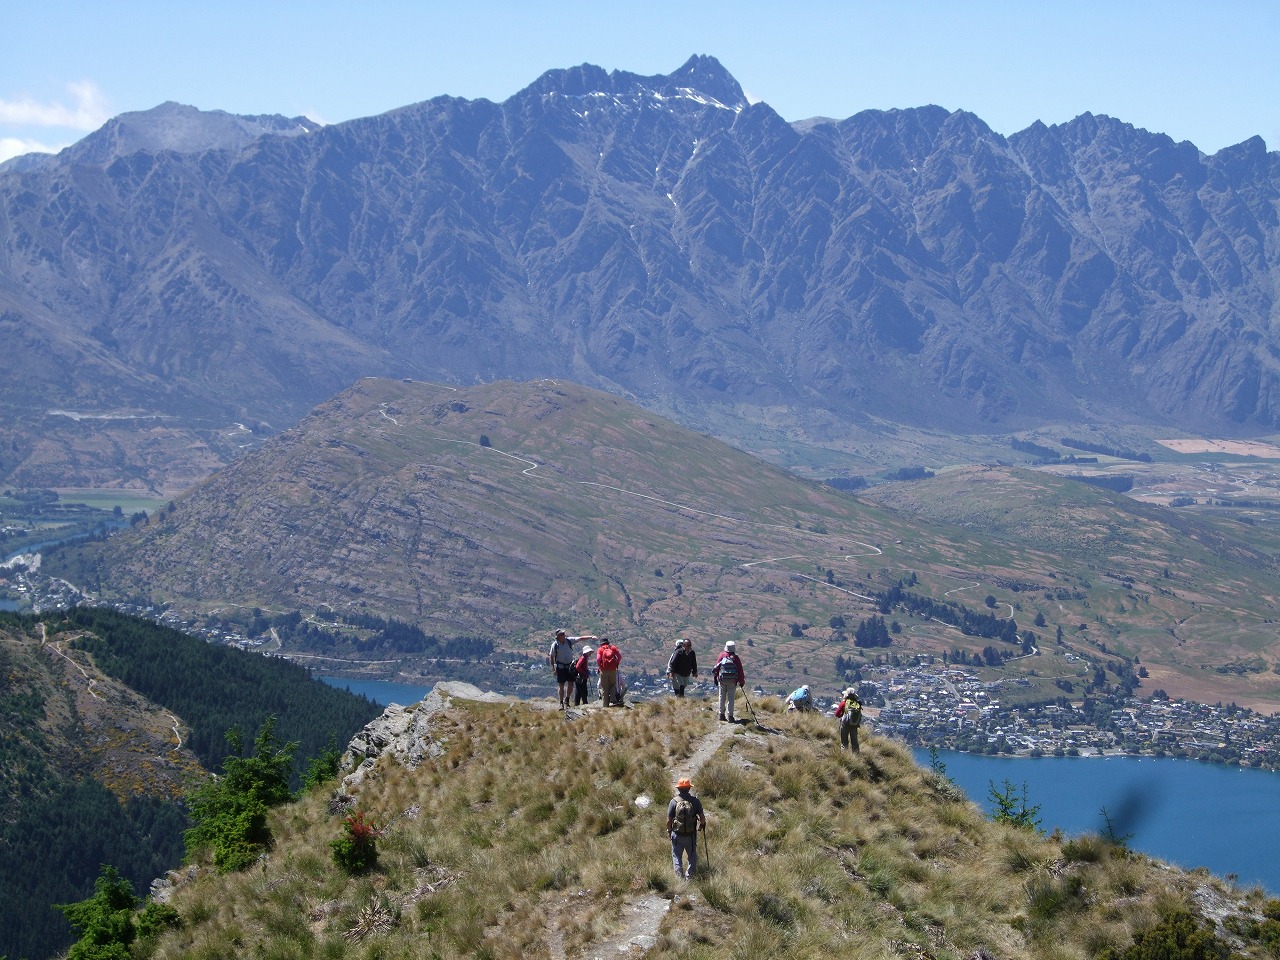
(565, 673)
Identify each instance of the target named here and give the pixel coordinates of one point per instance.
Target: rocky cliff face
(657, 236)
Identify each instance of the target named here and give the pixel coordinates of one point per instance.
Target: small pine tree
(230, 813)
(1011, 806)
(105, 920)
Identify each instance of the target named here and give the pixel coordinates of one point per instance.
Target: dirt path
(53, 645)
(640, 917)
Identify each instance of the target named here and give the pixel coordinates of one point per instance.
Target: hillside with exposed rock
(657, 237)
(417, 530)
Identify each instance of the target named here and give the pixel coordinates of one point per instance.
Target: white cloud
(11, 147)
(87, 109)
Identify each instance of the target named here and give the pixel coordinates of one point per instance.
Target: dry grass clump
(532, 832)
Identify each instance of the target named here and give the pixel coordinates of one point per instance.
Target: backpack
(851, 716)
(685, 818)
(610, 659)
(728, 668)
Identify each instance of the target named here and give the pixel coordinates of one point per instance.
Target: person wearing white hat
(801, 700)
(581, 677)
(849, 713)
(561, 658)
(728, 676)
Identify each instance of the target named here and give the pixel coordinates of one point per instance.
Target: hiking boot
(722, 716)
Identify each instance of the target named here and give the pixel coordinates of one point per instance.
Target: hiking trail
(640, 917)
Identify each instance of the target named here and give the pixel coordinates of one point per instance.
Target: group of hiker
(572, 667)
(571, 657)
(848, 712)
(727, 674)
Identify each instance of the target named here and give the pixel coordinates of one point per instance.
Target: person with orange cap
(684, 819)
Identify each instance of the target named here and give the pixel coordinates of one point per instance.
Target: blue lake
(381, 692)
(1188, 813)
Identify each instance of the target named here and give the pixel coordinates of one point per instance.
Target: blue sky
(1206, 71)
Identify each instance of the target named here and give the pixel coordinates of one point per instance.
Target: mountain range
(180, 283)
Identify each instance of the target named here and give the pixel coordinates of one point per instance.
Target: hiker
(608, 657)
(581, 676)
(849, 713)
(728, 676)
(684, 819)
(801, 700)
(561, 659)
(682, 665)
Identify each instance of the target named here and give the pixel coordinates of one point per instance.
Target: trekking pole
(754, 718)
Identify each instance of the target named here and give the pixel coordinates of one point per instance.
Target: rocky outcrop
(404, 733)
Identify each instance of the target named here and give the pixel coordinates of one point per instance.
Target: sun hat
(730, 645)
(684, 783)
(586, 650)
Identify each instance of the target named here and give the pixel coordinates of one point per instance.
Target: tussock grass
(529, 833)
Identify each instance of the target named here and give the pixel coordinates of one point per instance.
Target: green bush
(356, 851)
(105, 920)
(230, 812)
(1179, 936)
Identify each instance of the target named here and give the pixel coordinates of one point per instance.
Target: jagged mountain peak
(707, 75)
(701, 78)
(659, 236)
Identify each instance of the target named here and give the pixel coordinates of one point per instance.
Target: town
(948, 707)
(918, 700)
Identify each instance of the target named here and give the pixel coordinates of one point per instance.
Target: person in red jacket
(608, 657)
(728, 676)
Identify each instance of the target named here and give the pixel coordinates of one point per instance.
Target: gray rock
(404, 733)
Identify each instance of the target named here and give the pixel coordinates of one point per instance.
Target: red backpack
(609, 657)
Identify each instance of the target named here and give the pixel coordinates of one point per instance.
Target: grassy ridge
(527, 836)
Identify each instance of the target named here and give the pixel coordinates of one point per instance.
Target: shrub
(230, 813)
(1011, 806)
(105, 920)
(356, 850)
(1179, 936)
